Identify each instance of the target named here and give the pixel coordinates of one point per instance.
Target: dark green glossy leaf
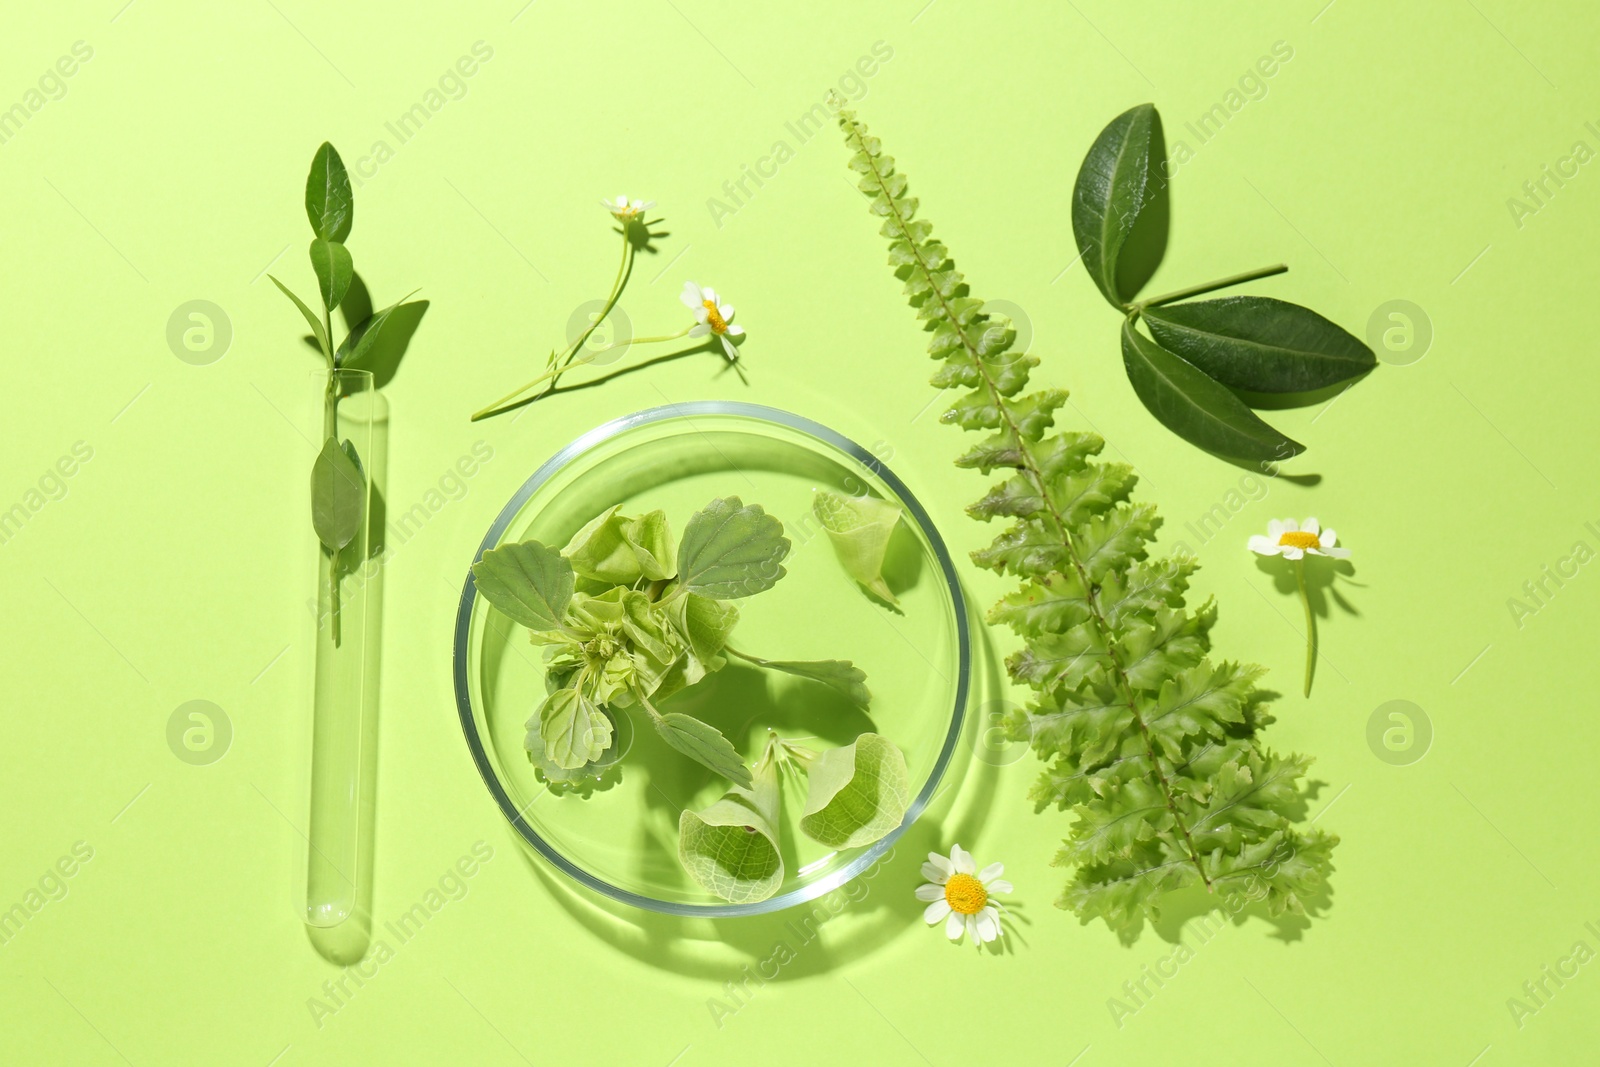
(338, 496)
(528, 581)
(1111, 190)
(331, 260)
(1260, 344)
(363, 340)
(329, 202)
(310, 316)
(1196, 408)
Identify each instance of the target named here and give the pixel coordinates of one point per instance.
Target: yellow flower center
(714, 317)
(965, 894)
(1299, 539)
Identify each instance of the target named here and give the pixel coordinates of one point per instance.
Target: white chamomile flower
(962, 896)
(711, 317)
(624, 210)
(1293, 540)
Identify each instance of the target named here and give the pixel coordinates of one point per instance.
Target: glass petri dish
(619, 837)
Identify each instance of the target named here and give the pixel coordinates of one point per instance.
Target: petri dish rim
(685, 411)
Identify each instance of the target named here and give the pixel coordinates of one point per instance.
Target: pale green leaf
(730, 550)
(856, 793)
(859, 528)
(528, 581)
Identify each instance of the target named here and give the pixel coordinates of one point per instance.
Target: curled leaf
(620, 550)
(731, 847)
(856, 794)
(859, 528)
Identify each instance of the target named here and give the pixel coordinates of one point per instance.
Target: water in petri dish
(625, 830)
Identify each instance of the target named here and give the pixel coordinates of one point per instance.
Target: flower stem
(504, 403)
(1209, 287)
(1311, 621)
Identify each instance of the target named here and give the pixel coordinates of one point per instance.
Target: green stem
(624, 269)
(1311, 621)
(330, 428)
(504, 403)
(1210, 287)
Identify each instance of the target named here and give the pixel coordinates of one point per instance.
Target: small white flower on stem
(711, 317)
(1293, 540)
(961, 896)
(625, 211)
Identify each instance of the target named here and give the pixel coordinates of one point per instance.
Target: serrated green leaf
(338, 496)
(330, 205)
(1110, 193)
(840, 675)
(704, 744)
(1115, 538)
(1197, 408)
(528, 581)
(1107, 829)
(1028, 549)
(856, 793)
(1260, 344)
(574, 729)
(1052, 604)
(731, 550)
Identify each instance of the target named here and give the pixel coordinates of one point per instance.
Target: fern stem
(1311, 622)
(1211, 287)
(1036, 476)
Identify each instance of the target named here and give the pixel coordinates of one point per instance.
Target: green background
(1378, 163)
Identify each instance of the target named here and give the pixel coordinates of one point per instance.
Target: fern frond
(1152, 746)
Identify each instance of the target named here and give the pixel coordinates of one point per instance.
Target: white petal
(732, 352)
(972, 928)
(941, 862)
(690, 295)
(735, 331)
(1328, 538)
(988, 923)
(1291, 552)
(1311, 525)
(708, 293)
(961, 859)
(930, 892)
(999, 885)
(1263, 546)
(726, 311)
(699, 331)
(935, 911)
(954, 926)
(994, 870)
(1337, 553)
(1275, 528)
(647, 205)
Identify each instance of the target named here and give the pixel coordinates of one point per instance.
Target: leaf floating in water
(860, 528)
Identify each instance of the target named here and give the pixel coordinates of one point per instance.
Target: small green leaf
(557, 775)
(1195, 407)
(338, 496)
(704, 744)
(837, 674)
(363, 340)
(1260, 344)
(730, 550)
(331, 260)
(731, 847)
(707, 624)
(575, 731)
(856, 794)
(1110, 193)
(860, 528)
(330, 205)
(621, 550)
(528, 581)
(312, 321)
